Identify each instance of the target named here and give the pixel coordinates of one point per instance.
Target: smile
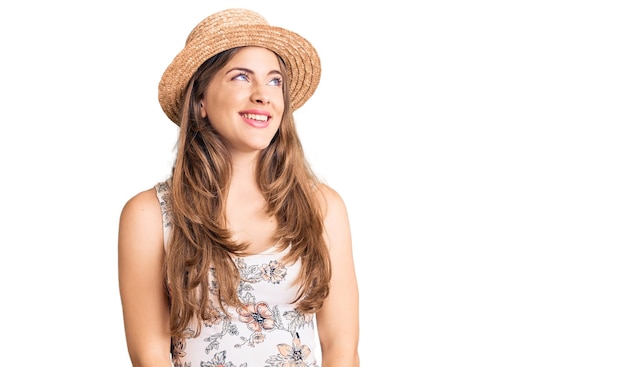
(253, 116)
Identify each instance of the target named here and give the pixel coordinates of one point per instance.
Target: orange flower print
(273, 272)
(294, 355)
(257, 316)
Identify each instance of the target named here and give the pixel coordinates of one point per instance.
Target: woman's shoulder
(142, 208)
(327, 191)
(330, 200)
(143, 200)
(141, 225)
(149, 199)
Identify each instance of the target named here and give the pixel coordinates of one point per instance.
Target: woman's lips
(256, 119)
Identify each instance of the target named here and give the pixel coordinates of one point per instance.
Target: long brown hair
(199, 237)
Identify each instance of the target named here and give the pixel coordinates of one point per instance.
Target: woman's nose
(259, 96)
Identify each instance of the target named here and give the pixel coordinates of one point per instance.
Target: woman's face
(244, 100)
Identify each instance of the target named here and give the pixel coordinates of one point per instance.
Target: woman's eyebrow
(249, 71)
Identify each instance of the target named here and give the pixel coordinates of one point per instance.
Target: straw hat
(234, 28)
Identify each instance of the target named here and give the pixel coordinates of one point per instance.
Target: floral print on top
(267, 332)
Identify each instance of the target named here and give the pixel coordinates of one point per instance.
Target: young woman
(242, 257)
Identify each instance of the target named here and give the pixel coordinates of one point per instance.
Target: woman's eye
(276, 82)
(242, 76)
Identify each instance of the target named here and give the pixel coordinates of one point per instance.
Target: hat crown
(225, 19)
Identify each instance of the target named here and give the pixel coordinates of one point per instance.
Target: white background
(479, 146)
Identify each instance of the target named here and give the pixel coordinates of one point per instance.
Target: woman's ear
(202, 110)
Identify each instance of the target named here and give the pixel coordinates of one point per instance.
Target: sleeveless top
(267, 332)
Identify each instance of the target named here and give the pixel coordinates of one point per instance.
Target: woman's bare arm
(140, 265)
(338, 320)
